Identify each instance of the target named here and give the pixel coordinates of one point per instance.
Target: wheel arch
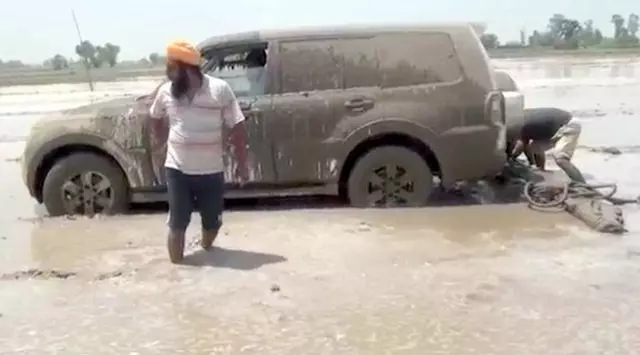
(388, 133)
(63, 147)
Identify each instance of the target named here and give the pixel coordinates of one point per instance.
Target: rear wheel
(85, 183)
(390, 176)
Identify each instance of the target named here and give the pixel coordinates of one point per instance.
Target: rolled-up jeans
(189, 192)
(566, 141)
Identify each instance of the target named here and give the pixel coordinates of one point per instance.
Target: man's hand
(242, 173)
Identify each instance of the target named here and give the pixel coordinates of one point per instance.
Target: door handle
(358, 104)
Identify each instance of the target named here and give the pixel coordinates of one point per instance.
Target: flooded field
(493, 279)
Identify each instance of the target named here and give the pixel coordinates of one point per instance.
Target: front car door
(246, 68)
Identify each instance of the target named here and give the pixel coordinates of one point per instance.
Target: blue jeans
(189, 192)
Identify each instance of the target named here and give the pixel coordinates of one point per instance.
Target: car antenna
(86, 64)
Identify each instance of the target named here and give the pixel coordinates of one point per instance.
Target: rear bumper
(472, 153)
(514, 110)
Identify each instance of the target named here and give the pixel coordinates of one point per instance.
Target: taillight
(495, 107)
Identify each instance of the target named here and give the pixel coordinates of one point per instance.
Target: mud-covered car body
(322, 100)
(514, 102)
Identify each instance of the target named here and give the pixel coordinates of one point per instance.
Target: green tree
(563, 32)
(12, 64)
(555, 25)
(113, 52)
(154, 58)
(632, 25)
(490, 40)
(144, 62)
(108, 54)
(58, 62)
(598, 36)
(101, 56)
(618, 26)
(570, 31)
(588, 34)
(87, 51)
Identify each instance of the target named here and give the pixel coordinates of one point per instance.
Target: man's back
(541, 124)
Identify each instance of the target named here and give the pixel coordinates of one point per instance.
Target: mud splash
(39, 274)
(36, 274)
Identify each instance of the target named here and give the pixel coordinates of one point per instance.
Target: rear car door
(312, 101)
(310, 88)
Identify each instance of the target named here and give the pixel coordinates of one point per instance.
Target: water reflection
(570, 67)
(622, 70)
(615, 71)
(567, 71)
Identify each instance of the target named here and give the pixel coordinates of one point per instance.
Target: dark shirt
(541, 124)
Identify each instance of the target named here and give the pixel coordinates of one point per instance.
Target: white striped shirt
(195, 144)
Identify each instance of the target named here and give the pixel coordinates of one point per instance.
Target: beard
(179, 83)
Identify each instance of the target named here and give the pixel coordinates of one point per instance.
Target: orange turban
(182, 51)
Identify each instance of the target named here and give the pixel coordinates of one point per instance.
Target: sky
(34, 30)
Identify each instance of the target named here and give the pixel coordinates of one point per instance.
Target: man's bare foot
(208, 237)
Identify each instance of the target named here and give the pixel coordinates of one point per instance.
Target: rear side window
(310, 65)
(416, 58)
(386, 61)
(329, 64)
(359, 62)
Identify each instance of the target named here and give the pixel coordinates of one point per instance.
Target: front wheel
(85, 183)
(390, 176)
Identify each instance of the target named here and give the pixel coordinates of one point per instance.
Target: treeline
(568, 34)
(562, 32)
(91, 56)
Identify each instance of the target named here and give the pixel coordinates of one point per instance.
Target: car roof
(326, 31)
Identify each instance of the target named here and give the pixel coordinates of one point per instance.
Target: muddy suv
(514, 103)
(373, 114)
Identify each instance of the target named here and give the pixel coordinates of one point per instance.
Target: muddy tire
(390, 176)
(85, 183)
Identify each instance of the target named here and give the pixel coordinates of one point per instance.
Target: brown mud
(307, 278)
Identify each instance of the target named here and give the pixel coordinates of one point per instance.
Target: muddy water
(493, 279)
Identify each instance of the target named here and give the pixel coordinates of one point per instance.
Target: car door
(254, 98)
(257, 111)
(320, 86)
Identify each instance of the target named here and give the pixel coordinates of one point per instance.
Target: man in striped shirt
(195, 107)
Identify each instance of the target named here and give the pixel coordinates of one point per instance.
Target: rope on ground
(594, 204)
(584, 201)
(547, 195)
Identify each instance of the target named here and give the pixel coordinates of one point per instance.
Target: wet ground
(479, 279)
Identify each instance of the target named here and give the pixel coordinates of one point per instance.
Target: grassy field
(78, 75)
(505, 53)
(71, 76)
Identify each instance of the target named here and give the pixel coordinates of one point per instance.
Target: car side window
(359, 62)
(407, 59)
(244, 69)
(310, 65)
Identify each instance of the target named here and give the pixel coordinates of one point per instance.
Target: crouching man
(549, 129)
